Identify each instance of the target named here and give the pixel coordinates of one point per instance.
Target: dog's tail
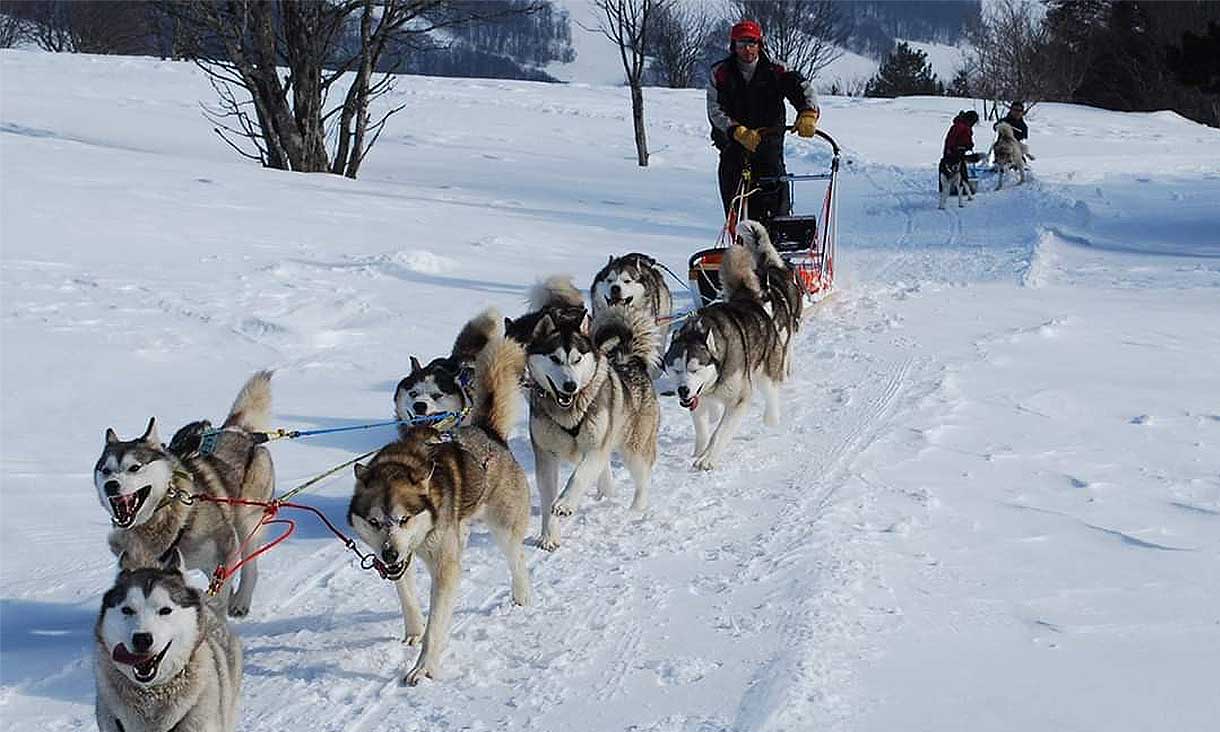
(476, 334)
(624, 333)
(555, 291)
(497, 379)
(738, 275)
(251, 410)
(753, 235)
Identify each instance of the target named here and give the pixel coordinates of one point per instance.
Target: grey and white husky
(591, 396)
(136, 481)
(635, 281)
(419, 495)
(780, 291)
(164, 659)
(444, 384)
(1008, 153)
(721, 352)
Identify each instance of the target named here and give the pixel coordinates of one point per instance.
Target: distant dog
(592, 395)
(443, 386)
(721, 352)
(1009, 153)
(419, 495)
(781, 293)
(954, 179)
(137, 479)
(635, 281)
(164, 659)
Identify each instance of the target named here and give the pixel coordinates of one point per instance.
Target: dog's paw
(639, 505)
(238, 609)
(703, 462)
(416, 675)
(561, 508)
(522, 598)
(771, 419)
(412, 639)
(549, 543)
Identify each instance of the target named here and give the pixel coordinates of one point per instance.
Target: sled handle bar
(781, 129)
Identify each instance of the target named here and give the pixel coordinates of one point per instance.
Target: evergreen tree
(960, 86)
(904, 72)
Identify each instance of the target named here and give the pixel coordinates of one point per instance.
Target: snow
(993, 502)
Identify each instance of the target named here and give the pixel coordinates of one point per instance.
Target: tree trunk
(637, 117)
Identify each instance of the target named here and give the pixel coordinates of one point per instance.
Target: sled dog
(591, 396)
(720, 352)
(444, 384)
(555, 297)
(635, 281)
(953, 180)
(781, 293)
(164, 659)
(419, 495)
(1009, 153)
(136, 481)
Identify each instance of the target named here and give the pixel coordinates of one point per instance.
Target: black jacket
(1019, 129)
(759, 103)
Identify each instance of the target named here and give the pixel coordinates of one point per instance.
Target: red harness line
(270, 508)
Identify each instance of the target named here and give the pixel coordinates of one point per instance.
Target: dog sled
(805, 241)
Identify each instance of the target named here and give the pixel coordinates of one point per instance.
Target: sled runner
(810, 251)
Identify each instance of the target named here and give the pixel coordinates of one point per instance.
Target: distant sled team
(165, 656)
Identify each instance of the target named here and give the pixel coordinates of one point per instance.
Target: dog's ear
(112, 437)
(361, 472)
(128, 562)
(173, 561)
(610, 343)
(544, 325)
(610, 261)
(710, 340)
(586, 323)
(415, 365)
(150, 434)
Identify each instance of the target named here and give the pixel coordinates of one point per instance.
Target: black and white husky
(636, 282)
(592, 396)
(444, 385)
(721, 352)
(136, 481)
(164, 659)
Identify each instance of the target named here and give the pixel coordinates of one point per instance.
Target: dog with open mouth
(421, 494)
(136, 481)
(164, 658)
(592, 396)
(635, 281)
(721, 352)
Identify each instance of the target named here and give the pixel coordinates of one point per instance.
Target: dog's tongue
(694, 403)
(126, 657)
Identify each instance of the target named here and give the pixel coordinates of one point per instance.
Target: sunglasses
(746, 43)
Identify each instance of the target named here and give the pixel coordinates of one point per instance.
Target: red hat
(746, 29)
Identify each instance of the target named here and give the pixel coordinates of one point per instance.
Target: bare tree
(1009, 59)
(804, 34)
(85, 26)
(13, 28)
(679, 36)
(275, 63)
(625, 23)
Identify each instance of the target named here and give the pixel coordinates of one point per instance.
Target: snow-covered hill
(993, 502)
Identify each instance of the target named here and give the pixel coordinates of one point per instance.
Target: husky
(720, 352)
(443, 386)
(164, 659)
(1009, 153)
(592, 396)
(420, 494)
(555, 297)
(781, 293)
(635, 280)
(953, 180)
(137, 481)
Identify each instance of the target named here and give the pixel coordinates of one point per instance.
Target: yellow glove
(807, 122)
(748, 138)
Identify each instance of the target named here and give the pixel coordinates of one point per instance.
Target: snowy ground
(993, 503)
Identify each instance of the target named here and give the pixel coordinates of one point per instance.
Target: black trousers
(774, 198)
